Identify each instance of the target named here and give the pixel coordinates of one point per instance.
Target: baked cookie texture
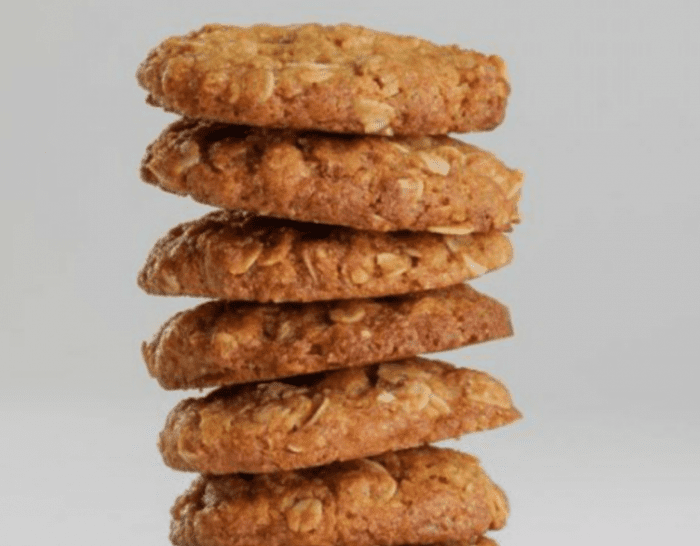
(428, 183)
(224, 343)
(350, 223)
(342, 78)
(345, 414)
(231, 255)
(418, 496)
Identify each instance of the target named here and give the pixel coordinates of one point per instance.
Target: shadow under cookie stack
(347, 227)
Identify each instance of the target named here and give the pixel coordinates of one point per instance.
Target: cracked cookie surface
(345, 414)
(436, 183)
(224, 343)
(234, 256)
(417, 496)
(341, 78)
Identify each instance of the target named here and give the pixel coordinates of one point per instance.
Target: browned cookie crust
(224, 343)
(336, 416)
(436, 184)
(417, 496)
(341, 78)
(233, 256)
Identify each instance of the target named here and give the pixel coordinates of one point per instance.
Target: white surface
(605, 121)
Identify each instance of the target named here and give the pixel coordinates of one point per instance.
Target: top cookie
(342, 78)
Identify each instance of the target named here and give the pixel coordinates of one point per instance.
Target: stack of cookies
(348, 222)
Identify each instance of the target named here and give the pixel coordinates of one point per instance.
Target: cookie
(224, 343)
(418, 496)
(342, 78)
(334, 416)
(436, 183)
(234, 256)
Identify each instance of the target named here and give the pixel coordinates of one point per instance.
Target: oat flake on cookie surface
(339, 78)
(426, 183)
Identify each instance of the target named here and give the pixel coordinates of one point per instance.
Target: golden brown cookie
(233, 256)
(340, 78)
(335, 416)
(418, 496)
(436, 183)
(224, 343)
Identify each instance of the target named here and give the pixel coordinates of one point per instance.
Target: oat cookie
(427, 183)
(315, 420)
(340, 78)
(225, 343)
(418, 496)
(233, 256)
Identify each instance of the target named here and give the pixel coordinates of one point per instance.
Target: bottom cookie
(425, 495)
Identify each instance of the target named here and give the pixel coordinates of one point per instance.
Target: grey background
(605, 121)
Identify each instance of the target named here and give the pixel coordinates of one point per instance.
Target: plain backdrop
(604, 119)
